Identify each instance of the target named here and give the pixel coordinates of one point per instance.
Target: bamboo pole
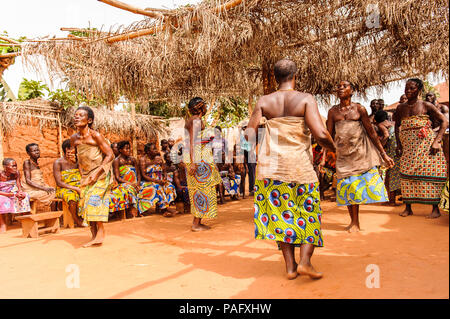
(128, 36)
(10, 55)
(10, 45)
(8, 39)
(133, 9)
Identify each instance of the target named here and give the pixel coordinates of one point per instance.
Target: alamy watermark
(373, 280)
(73, 278)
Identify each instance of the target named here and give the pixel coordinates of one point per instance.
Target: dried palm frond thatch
(219, 48)
(48, 114)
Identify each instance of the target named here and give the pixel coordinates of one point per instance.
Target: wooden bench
(35, 224)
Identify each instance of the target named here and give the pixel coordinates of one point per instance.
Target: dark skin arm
(116, 165)
(398, 121)
(384, 133)
(58, 179)
(373, 135)
(436, 115)
(27, 174)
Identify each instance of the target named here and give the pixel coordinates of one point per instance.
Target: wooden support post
(133, 117)
(60, 138)
(67, 216)
(250, 105)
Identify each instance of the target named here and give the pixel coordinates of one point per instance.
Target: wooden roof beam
(133, 9)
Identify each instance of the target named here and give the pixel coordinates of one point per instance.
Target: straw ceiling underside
(210, 54)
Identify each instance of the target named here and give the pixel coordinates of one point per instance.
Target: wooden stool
(35, 224)
(33, 205)
(67, 216)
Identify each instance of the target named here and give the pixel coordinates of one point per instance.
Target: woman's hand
(435, 148)
(193, 169)
(389, 161)
(20, 195)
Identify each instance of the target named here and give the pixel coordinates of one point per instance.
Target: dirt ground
(157, 257)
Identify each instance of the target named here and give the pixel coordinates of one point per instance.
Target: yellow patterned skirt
(365, 188)
(94, 201)
(71, 177)
(202, 185)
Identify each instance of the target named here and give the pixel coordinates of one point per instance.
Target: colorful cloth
(288, 212)
(202, 185)
(118, 199)
(231, 185)
(12, 204)
(422, 175)
(129, 174)
(393, 173)
(444, 203)
(34, 193)
(95, 198)
(153, 194)
(71, 177)
(365, 188)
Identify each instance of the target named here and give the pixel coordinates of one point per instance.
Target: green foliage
(31, 89)
(427, 88)
(10, 49)
(230, 111)
(3, 94)
(70, 97)
(161, 108)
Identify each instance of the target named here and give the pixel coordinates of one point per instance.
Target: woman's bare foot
(406, 213)
(352, 228)
(95, 242)
(434, 213)
(199, 227)
(309, 271)
(292, 274)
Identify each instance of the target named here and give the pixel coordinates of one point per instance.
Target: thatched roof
(220, 48)
(46, 113)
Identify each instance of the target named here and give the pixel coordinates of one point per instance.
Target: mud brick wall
(47, 138)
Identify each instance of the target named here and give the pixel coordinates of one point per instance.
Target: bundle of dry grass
(221, 48)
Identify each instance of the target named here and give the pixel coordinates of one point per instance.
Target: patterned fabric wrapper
(153, 194)
(71, 177)
(443, 204)
(365, 188)
(94, 200)
(288, 212)
(423, 176)
(394, 172)
(12, 205)
(118, 199)
(202, 185)
(128, 173)
(34, 193)
(231, 185)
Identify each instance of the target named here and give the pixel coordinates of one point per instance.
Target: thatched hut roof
(46, 113)
(218, 48)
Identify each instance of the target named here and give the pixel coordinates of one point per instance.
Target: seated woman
(180, 182)
(126, 172)
(33, 179)
(12, 199)
(67, 178)
(155, 191)
(230, 180)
